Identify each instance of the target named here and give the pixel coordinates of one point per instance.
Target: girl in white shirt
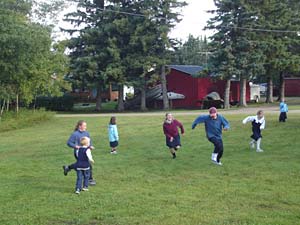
(258, 124)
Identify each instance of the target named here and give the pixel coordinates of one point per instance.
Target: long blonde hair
(85, 141)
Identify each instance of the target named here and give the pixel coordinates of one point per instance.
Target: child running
(113, 135)
(74, 142)
(82, 165)
(214, 124)
(170, 128)
(258, 124)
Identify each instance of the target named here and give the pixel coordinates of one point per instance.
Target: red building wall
(292, 87)
(195, 89)
(185, 84)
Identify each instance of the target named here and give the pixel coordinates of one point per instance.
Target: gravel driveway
(250, 110)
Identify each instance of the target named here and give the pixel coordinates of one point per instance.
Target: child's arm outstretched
(248, 119)
(199, 119)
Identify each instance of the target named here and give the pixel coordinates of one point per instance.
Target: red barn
(292, 87)
(185, 80)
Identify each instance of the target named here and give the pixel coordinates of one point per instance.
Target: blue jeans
(82, 175)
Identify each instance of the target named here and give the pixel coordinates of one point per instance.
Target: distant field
(143, 185)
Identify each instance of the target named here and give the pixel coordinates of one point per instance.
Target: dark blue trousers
(218, 143)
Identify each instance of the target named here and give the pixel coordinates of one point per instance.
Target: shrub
(24, 118)
(64, 103)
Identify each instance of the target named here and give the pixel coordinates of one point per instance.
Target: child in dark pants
(74, 142)
(113, 135)
(82, 165)
(170, 128)
(283, 111)
(214, 123)
(258, 124)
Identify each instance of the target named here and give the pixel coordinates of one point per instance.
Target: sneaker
(217, 163)
(92, 182)
(174, 156)
(177, 147)
(66, 170)
(113, 152)
(77, 192)
(85, 189)
(259, 150)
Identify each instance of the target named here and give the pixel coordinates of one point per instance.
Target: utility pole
(206, 53)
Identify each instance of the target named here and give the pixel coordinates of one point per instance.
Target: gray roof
(189, 69)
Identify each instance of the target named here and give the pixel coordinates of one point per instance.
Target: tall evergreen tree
(129, 39)
(235, 55)
(279, 22)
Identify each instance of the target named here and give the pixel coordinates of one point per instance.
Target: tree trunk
(17, 103)
(121, 98)
(7, 105)
(269, 98)
(242, 101)
(2, 107)
(163, 81)
(143, 99)
(227, 95)
(98, 99)
(281, 87)
(34, 104)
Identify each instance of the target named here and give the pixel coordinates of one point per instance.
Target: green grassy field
(143, 185)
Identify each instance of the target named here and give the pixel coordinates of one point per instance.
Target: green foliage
(193, 52)
(122, 43)
(27, 63)
(46, 12)
(235, 53)
(142, 184)
(23, 119)
(255, 40)
(63, 103)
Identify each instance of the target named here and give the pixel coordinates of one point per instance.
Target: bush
(24, 118)
(64, 103)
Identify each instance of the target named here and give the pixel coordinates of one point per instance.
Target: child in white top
(258, 124)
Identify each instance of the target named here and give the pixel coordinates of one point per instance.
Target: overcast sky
(194, 17)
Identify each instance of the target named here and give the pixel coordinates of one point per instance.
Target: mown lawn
(143, 185)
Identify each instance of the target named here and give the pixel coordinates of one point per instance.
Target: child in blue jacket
(113, 135)
(214, 124)
(283, 111)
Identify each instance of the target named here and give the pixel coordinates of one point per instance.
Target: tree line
(252, 41)
(123, 42)
(126, 42)
(255, 40)
(30, 65)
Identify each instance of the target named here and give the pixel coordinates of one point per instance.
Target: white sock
(252, 143)
(258, 144)
(214, 156)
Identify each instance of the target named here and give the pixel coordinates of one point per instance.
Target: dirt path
(267, 110)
